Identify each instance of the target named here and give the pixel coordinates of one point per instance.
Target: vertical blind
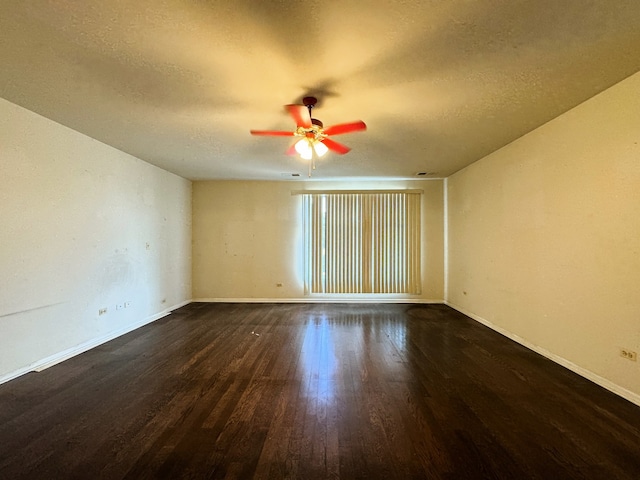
(362, 242)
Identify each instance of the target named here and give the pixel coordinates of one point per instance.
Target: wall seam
(445, 209)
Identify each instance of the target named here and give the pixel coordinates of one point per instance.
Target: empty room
(307, 240)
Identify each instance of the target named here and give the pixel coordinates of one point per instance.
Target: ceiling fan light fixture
(303, 148)
(320, 148)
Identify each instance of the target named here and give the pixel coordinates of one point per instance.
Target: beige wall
(84, 227)
(247, 238)
(544, 238)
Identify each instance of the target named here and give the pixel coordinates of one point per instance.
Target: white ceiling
(440, 84)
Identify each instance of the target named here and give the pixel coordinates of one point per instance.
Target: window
(364, 242)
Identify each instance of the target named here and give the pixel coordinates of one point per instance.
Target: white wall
(544, 238)
(247, 236)
(83, 226)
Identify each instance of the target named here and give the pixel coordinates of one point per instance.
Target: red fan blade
(300, 114)
(335, 146)
(275, 133)
(345, 128)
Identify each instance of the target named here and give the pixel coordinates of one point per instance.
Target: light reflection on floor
(319, 360)
(329, 341)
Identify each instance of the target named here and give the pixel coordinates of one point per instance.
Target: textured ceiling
(440, 84)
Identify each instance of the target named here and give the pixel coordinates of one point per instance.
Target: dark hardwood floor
(314, 391)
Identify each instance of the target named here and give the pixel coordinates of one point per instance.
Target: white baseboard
(317, 300)
(59, 357)
(583, 372)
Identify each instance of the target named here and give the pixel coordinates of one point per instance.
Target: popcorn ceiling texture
(439, 84)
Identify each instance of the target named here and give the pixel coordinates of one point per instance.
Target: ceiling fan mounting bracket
(309, 102)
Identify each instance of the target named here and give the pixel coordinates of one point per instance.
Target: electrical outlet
(127, 304)
(119, 306)
(629, 354)
(102, 311)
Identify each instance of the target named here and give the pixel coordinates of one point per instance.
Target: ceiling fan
(314, 138)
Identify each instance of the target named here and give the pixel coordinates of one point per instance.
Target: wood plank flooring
(313, 391)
